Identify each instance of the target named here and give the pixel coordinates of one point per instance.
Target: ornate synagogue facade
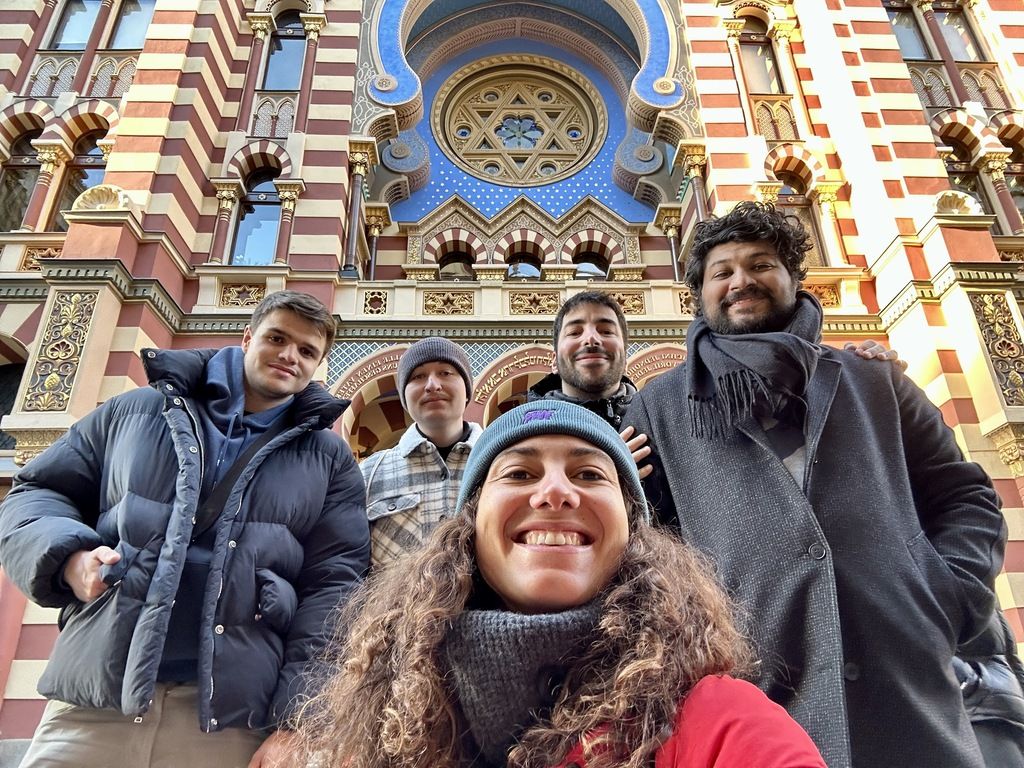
(461, 167)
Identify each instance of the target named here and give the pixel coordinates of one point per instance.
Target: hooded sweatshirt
(227, 431)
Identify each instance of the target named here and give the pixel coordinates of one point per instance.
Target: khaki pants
(167, 737)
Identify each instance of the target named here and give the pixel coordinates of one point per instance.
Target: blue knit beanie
(548, 417)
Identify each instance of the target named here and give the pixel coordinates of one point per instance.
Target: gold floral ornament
(1003, 342)
(60, 351)
(519, 120)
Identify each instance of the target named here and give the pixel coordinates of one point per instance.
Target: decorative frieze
(632, 302)
(1002, 342)
(29, 443)
(1009, 441)
(375, 303)
(30, 261)
(687, 306)
(828, 295)
(534, 302)
(448, 303)
(242, 294)
(61, 351)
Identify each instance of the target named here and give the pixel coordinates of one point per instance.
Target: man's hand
(277, 751)
(82, 572)
(870, 349)
(637, 446)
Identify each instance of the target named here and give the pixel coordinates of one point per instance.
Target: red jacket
(728, 723)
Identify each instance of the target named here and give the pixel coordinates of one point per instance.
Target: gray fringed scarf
(506, 669)
(729, 374)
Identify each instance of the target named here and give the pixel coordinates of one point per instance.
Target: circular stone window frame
(510, 68)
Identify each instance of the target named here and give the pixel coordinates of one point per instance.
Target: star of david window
(519, 120)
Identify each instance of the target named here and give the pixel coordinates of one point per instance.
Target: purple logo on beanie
(537, 416)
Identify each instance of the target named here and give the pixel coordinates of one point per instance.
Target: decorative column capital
(288, 191)
(1009, 441)
(826, 192)
(668, 219)
(782, 31)
(106, 147)
(359, 163)
(768, 191)
(994, 164)
(51, 156)
(733, 28)
(261, 24)
(312, 25)
(924, 5)
(227, 193)
(378, 218)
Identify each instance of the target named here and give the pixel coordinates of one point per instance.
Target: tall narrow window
(17, 180)
(959, 37)
(908, 33)
(75, 25)
(760, 68)
(1015, 177)
(85, 171)
(259, 218)
(285, 55)
(793, 201)
(133, 21)
(962, 175)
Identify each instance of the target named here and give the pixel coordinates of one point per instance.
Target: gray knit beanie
(548, 417)
(433, 349)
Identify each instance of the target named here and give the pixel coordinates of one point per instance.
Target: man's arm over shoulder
(52, 510)
(655, 485)
(956, 503)
(336, 556)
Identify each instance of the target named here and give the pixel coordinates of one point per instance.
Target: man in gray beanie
(410, 488)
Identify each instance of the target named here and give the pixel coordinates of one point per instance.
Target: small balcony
(985, 85)
(773, 117)
(53, 72)
(981, 80)
(112, 74)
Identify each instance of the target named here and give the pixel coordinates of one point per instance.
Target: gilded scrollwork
(29, 443)
(828, 295)
(534, 302)
(448, 303)
(30, 261)
(61, 351)
(1003, 343)
(1009, 441)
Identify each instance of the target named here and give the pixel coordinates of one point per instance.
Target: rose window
(519, 120)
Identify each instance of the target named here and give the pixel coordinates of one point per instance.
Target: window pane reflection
(760, 69)
(15, 190)
(284, 67)
(958, 35)
(908, 35)
(76, 22)
(256, 237)
(132, 24)
(76, 181)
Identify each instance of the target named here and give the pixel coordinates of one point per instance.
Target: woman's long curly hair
(664, 624)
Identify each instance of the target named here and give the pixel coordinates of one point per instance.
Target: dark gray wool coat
(857, 587)
(292, 541)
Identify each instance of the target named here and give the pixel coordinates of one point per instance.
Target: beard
(595, 384)
(775, 318)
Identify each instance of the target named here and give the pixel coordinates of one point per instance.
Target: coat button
(232, 544)
(213, 722)
(391, 507)
(851, 671)
(219, 629)
(169, 387)
(817, 551)
(193, 449)
(151, 354)
(176, 401)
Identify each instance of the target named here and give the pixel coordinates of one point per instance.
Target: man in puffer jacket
(197, 536)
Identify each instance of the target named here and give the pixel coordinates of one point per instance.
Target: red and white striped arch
(524, 241)
(451, 241)
(21, 117)
(1009, 127)
(259, 154)
(957, 125)
(83, 118)
(596, 241)
(797, 160)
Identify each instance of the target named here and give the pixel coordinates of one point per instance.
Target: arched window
(760, 68)
(10, 379)
(285, 54)
(17, 180)
(133, 21)
(259, 217)
(85, 171)
(959, 36)
(963, 177)
(75, 25)
(523, 266)
(457, 265)
(590, 265)
(793, 201)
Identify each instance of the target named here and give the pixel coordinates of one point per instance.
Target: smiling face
(551, 524)
(591, 354)
(746, 289)
(281, 355)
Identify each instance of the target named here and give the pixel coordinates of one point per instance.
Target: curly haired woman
(547, 624)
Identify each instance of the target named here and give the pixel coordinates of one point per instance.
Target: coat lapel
(820, 394)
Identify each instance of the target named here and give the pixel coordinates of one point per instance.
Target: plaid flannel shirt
(409, 490)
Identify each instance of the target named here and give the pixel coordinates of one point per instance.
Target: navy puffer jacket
(292, 541)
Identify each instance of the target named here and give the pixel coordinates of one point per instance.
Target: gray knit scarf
(506, 669)
(729, 374)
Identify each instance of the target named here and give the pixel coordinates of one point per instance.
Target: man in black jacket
(198, 535)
